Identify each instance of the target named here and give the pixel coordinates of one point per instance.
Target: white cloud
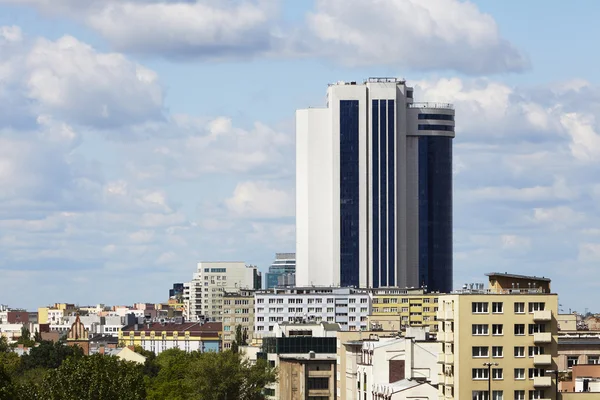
(434, 34)
(260, 200)
(515, 242)
(69, 80)
(585, 144)
(557, 216)
(197, 29)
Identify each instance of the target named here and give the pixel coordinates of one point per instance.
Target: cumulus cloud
(435, 34)
(70, 80)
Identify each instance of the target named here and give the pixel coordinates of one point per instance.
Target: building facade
(209, 283)
(346, 306)
(158, 337)
(238, 309)
(399, 309)
(282, 272)
(374, 189)
(503, 338)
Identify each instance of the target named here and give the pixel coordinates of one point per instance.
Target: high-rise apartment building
(211, 280)
(501, 340)
(374, 189)
(238, 309)
(282, 272)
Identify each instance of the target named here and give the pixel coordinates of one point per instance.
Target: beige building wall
(398, 309)
(457, 321)
(238, 309)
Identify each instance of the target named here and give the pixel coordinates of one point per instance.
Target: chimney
(130, 347)
(101, 350)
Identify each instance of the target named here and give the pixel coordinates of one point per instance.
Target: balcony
(542, 359)
(446, 315)
(542, 337)
(449, 337)
(542, 381)
(544, 315)
(441, 358)
(319, 374)
(448, 380)
(449, 358)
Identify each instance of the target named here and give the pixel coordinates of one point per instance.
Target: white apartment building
(211, 280)
(348, 307)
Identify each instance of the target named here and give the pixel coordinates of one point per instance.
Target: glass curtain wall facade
(349, 194)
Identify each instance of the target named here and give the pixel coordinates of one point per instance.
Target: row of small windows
(427, 127)
(497, 373)
(498, 308)
(498, 329)
(441, 117)
(498, 394)
(498, 351)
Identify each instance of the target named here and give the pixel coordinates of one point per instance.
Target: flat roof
(506, 274)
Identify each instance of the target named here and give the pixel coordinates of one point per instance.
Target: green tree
(241, 339)
(25, 338)
(7, 389)
(49, 355)
(11, 362)
(4, 347)
(93, 378)
(173, 380)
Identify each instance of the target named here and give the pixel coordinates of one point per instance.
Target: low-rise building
(158, 337)
(307, 377)
(378, 364)
(584, 378)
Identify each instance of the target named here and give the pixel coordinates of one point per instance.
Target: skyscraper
(374, 189)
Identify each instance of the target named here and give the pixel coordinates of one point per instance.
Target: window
(536, 328)
(535, 372)
(519, 329)
(480, 395)
(497, 351)
(425, 300)
(572, 360)
(519, 308)
(519, 374)
(480, 351)
(536, 307)
(404, 309)
(497, 308)
(404, 301)
(497, 374)
(536, 394)
(479, 308)
(497, 395)
(479, 329)
(497, 329)
(519, 395)
(535, 350)
(480, 373)
(519, 351)
(593, 360)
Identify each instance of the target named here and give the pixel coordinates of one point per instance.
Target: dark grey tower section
(432, 126)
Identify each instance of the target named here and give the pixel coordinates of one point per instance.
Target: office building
(282, 272)
(502, 339)
(345, 306)
(211, 280)
(374, 189)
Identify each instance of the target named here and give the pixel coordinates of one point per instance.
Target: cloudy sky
(138, 137)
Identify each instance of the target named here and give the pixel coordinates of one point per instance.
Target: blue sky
(138, 137)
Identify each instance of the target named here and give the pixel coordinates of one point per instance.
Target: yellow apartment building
(398, 309)
(238, 309)
(503, 339)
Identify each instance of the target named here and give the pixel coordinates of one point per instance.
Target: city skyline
(129, 155)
